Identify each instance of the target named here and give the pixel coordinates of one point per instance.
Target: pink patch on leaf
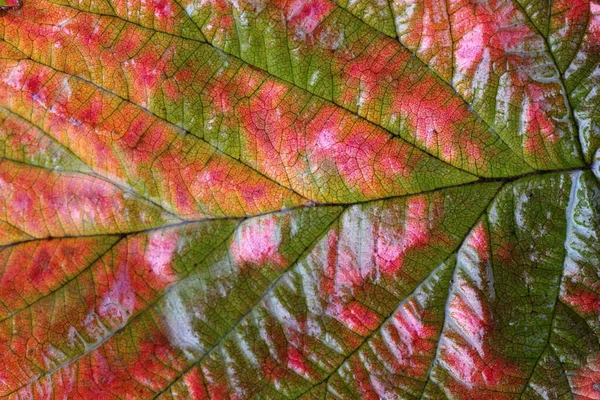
(479, 240)
(159, 252)
(45, 203)
(163, 9)
(415, 337)
(423, 27)
(412, 340)
(594, 25)
(296, 144)
(394, 243)
(305, 15)
(495, 39)
(117, 303)
(364, 380)
(468, 349)
(258, 242)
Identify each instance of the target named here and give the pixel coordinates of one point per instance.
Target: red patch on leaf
(272, 370)
(116, 303)
(480, 241)
(404, 348)
(298, 363)
(366, 73)
(392, 236)
(147, 70)
(180, 163)
(194, 382)
(415, 338)
(536, 121)
(594, 28)
(45, 203)
(44, 265)
(358, 317)
(366, 382)
(395, 242)
(217, 385)
(435, 118)
(486, 30)
(147, 261)
(585, 381)
(91, 112)
(584, 299)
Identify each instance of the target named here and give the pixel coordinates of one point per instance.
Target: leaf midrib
(503, 181)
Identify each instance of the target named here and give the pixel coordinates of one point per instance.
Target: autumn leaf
(304, 199)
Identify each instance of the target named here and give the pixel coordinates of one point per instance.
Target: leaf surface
(272, 199)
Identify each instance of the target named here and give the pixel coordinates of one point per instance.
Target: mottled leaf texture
(300, 199)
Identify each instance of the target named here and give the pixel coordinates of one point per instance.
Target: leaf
(300, 199)
(6, 4)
